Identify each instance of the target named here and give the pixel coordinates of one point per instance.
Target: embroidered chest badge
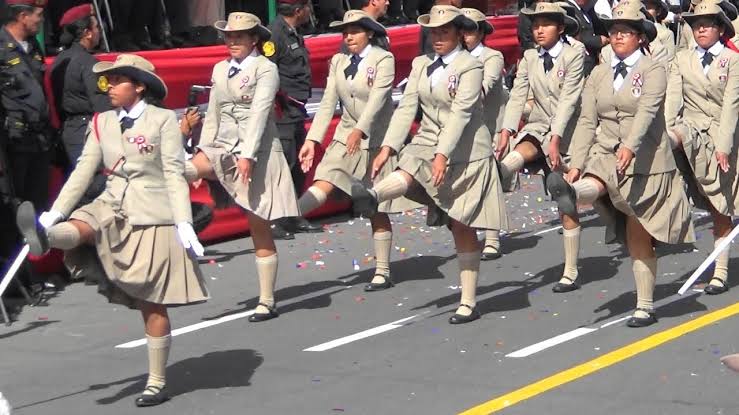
(244, 81)
(452, 85)
(561, 73)
(370, 76)
(636, 82)
(722, 78)
(723, 62)
(141, 143)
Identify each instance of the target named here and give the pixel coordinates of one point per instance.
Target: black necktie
(620, 70)
(232, 71)
(126, 123)
(707, 59)
(436, 64)
(548, 62)
(351, 70)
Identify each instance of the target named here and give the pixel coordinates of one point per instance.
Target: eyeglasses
(622, 33)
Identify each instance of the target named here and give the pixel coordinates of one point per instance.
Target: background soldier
(287, 50)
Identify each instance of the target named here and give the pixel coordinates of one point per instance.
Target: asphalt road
(338, 350)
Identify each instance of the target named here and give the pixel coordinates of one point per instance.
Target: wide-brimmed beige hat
(663, 9)
(136, 68)
(443, 15)
(239, 21)
(362, 19)
(712, 10)
(629, 12)
(554, 12)
(479, 18)
(731, 11)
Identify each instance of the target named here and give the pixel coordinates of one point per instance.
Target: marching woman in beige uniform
(494, 97)
(240, 147)
(552, 74)
(621, 157)
(655, 49)
(686, 40)
(450, 158)
(361, 80)
(141, 224)
(703, 86)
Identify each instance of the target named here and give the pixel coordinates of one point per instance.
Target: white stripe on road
(610, 323)
(190, 328)
(565, 337)
(548, 230)
(359, 336)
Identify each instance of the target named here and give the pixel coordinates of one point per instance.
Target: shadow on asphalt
(30, 326)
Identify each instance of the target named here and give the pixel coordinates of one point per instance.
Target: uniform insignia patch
(268, 48)
(14, 61)
(103, 85)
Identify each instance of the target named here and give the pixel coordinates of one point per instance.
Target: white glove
(189, 239)
(50, 218)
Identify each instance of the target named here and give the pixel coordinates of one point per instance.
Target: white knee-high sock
(63, 236)
(383, 245)
(511, 164)
(721, 267)
(267, 272)
(391, 187)
(469, 268)
(158, 348)
(311, 199)
(571, 239)
(586, 191)
(645, 275)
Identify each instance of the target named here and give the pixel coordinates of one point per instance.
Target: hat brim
(263, 33)
(729, 31)
(572, 27)
(485, 27)
(459, 21)
(644, 25)
(364, 22)
(154, 83)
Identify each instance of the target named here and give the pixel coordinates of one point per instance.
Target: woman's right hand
(306, 155)
(503, 139)
(380, 161)
(572, 176)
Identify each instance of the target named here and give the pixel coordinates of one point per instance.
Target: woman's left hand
(438, 169)
(723, 161)
(624, 157)
(245, 166)
(189, 120)
(353, 141)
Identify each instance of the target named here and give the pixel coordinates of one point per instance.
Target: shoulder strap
(95, 126)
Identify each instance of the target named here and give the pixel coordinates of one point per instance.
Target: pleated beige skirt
(270, 194)
(470, 194)
(139, 263)
(720, 189)
(341, 170)
(658, 202)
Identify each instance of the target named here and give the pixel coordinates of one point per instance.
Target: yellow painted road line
(600, 362)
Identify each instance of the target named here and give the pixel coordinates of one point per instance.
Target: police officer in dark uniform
(287, 50)
(78, 92)
(25, 117)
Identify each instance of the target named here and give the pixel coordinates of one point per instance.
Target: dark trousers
(73, 137)
(292, 137)
(133, 18)
(30, 173)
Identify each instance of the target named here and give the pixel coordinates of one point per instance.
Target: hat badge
(619, 13)
(441, 11)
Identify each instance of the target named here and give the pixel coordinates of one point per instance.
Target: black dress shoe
(460, 319)
(716, 289)
(158, 397)
(35, 236)
(301, 225)
(563, 194)
(642, 321)
(489, 256)
(374, 286)
(565, 288)
(435, 216)
(279, 232)
(364, 202)
(258, 317)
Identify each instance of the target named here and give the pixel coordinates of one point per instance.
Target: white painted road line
(610, 323)
(359, 336)
(548, 230)
(190, 328)
(565, 337)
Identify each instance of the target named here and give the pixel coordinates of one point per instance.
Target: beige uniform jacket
(494, 97)
(709, 102)
(146, 167)
(240, 115)
(632, 117)
(667, 39)
(556, 94)
(452, 115)
(686, 41)
(366, 100)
